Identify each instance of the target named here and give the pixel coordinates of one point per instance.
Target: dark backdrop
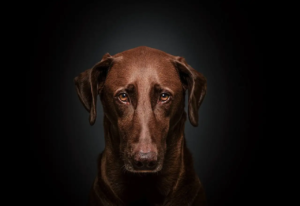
(221, 40)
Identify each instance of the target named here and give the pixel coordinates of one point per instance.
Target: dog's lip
(129, 168)
(143, 171)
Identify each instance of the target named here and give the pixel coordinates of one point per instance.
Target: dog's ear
(90, 83)
(195, 83)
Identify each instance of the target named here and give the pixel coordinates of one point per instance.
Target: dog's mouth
(132, 169)
(143, 167)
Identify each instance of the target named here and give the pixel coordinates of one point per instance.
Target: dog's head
(142, 91)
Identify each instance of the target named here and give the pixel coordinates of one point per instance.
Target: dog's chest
(143, 192)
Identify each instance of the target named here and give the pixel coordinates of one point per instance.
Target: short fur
(144, 125)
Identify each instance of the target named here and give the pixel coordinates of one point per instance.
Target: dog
(145, 160)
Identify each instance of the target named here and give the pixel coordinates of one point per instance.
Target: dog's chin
(130, 168)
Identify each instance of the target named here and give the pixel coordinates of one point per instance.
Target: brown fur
(145, 125)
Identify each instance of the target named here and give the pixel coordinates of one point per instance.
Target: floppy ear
(90, 83)
(195, 82)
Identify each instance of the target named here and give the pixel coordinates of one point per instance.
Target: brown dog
(145, 160)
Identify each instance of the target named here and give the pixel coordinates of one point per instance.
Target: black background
(221, 40)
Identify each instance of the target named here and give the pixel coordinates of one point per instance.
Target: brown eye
(123, 97)
(164, 97)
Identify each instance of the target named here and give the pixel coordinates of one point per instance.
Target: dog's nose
(145, 161)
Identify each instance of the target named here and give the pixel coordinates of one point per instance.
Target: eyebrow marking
(128, 88)
(158, 88)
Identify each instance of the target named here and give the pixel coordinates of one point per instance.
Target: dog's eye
(164, 97)
(123, 97)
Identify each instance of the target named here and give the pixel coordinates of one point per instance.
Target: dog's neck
(127, 186)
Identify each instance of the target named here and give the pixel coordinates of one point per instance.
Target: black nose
(145, 161)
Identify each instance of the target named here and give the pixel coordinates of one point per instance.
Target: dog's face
(142, 97)
(142, 93)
